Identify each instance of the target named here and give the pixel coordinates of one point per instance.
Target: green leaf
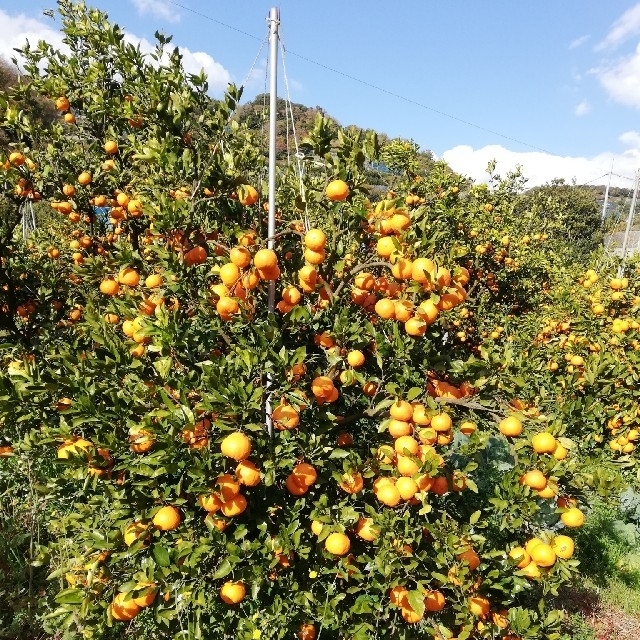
(224, 569)
(161, 555)
(70, 596)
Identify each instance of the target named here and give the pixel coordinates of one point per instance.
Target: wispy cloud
(582, 108)
(159, 8)
(578, 42)
(621, 79)
(626, 26)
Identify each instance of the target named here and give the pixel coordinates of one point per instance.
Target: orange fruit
(366, 530)
(543, 555)
(248, 473)
(531, 544)
(134, 531)
(351, 483)
(84, 178)
(440, 486)
(544, 443)
(285, 416)
(306, 632)
(406, 445)
(385, 308)
(560, 452)
(232, 592)
(240, 256)
(356, 358)
(398, 428)
(109, 287)
(167, 518)
(247, 195)
(322, 387)
(129, 277)
(316, 527)
(511, 426)
(420, 414)
(386, 246)
(402, 269)
(427, 436)
(337, 543)
(294, 487)
(111, 147)
(406, 465)
(573, 517)
(401, 410)
(229, 274)
(265, 259)
(531, 570)
(389, 495)
(337, 190)
(315, 239)
(520, 556)
(236, 445)
(398, 595)
(148, 594)
(407, 487)
(409, 615)
(434, 601)
(228, 487)
(291, 295)
(305, 474)
(210, 502)
(534, 479)
(235, 506)
(123, 608)
(441, 422)
(479, 606)
(314, 257)
(153, 281)
(471, 558)
(62, 103)
(468, 427)
(563, 547)
(415, 327)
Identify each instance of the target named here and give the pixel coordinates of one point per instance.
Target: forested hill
(256, 115)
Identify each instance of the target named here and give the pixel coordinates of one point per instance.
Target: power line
(369, 84)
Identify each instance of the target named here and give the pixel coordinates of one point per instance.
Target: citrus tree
(337, 465)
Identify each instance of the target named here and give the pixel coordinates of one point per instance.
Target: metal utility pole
(274, 25)
(627, 231)
(606, 193)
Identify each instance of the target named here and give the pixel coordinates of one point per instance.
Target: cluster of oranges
(537, 554)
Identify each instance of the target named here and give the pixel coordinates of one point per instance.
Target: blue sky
(562, 77)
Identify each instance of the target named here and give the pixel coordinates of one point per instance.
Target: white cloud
(15, 30)
(578, 42)
(582, 109)
(621, 79)
(626, 26)
(541, 168)
(159, 8)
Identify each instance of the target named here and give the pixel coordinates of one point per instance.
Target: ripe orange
(248, 473)
(534, 479)
(441, 422)
(471, 558)
(285, 416)
(351, 482)
(337, 190)
(572, 517)
(402, 269)
(306, 632)
(210, 502)
(265, 259)
(398, 428)
(409, 615)
(511, 426)
(385, 308)
(195, 256)
(62, 103)
(229, 274)
(84, 178)
(531, 570)
(468, 427)
(240, 256)
(234, 506)
(316, 527)
(423, 270)
(247, 195)
(111, 147)
(109, 287)
(420, 415)
(407, 487)
(434, 601)
(563, 547)
(543, 555)
(366, 530)
(294, 487)
(440, 485)
(428, 311)
(406, 445)
(134, 531)
(401, 410)
(227, 486)
(532, 543)
(123, 608)
(129, 277)
(479, 606)
(153, 281)
(148, 594)
(337, 543)
(406, 465)
(389, 495)
(398, 595)
(356, 358)
(415, 327)
(544, 443)
(315, 239)
(236, 445)
(521, 556)
(232, 592)
(291, 295)
(167, 518)
(322, 387)
(305, 474)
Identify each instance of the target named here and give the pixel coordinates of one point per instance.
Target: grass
(604, 602)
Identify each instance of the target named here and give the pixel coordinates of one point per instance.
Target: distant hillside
(256, 115)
